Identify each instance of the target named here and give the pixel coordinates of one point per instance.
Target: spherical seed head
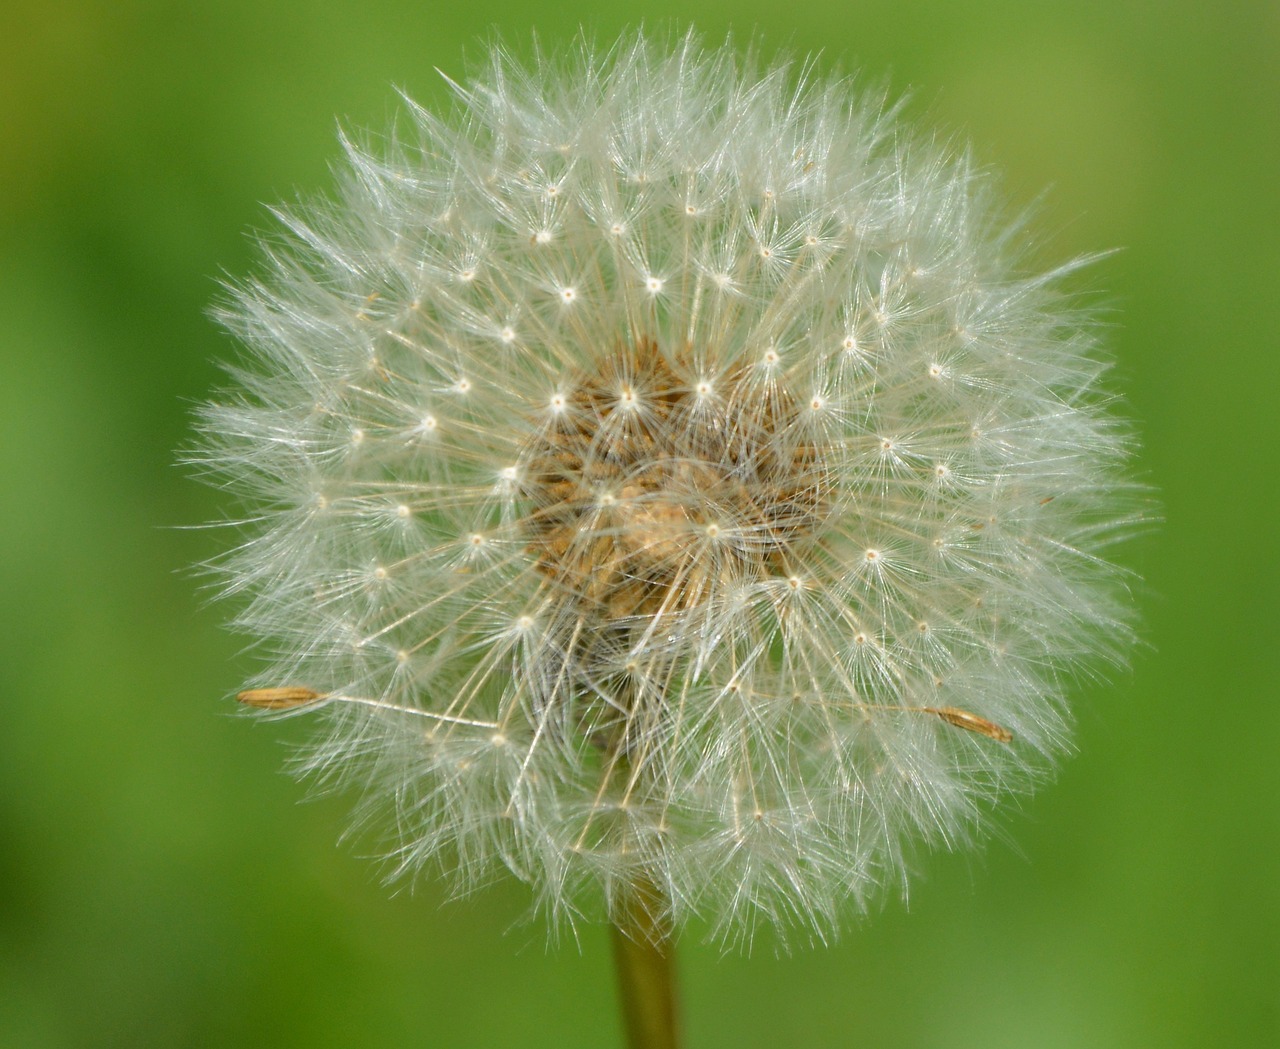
(662, 472)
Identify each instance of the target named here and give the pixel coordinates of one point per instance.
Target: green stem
(642, 952)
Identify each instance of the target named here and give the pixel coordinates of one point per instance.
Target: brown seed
(972, 723)
(279, 698)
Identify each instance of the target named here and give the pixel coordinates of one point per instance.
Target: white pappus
(661, 468)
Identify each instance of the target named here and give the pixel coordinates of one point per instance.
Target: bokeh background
(161, 884)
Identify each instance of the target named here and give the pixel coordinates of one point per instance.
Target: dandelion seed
(963, 719)
(724, 582)
(285, 698)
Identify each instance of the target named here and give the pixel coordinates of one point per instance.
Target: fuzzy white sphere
(662, 472)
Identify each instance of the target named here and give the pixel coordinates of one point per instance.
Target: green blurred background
(160, 884)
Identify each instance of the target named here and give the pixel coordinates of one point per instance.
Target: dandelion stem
(643, 954)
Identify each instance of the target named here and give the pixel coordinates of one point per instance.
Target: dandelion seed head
(764, 553)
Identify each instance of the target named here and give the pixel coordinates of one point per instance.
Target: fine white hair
(662, 468)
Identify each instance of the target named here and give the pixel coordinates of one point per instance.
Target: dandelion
(669, 487)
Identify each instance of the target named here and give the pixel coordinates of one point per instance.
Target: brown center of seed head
(653, 490)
